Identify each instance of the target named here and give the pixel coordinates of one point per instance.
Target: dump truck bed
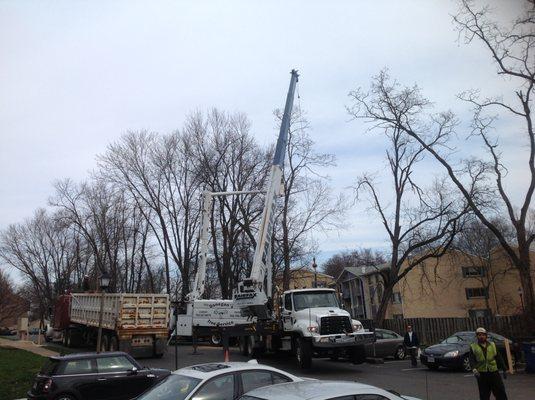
(122, 311)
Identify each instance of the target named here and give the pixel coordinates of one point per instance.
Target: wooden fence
(432, 330)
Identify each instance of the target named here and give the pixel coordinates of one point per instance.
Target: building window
(473, 271)
(475, 293)
(483, 313)
(396, 298)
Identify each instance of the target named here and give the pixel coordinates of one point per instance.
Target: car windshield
(453, 339)
(304, 300)
(174, 387)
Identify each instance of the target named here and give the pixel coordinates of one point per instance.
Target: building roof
(365, 270)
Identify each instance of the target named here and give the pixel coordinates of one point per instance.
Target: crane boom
(251, 293)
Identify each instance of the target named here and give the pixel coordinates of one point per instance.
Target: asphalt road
(397, 375)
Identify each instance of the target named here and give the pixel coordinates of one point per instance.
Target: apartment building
(462, 285)
(455, 285)
(361, 290)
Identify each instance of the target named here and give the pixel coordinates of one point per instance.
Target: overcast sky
(75, 76)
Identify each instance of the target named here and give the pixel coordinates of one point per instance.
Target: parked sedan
(323, 390)
(454, 351)
(92, 376)
(387, 344)
(217, 381)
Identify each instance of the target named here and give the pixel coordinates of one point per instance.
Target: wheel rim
(466, 363)
(216, 339)
(298, 351)
(401, 353)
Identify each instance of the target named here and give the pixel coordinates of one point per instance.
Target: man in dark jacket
(411, 343)
(485, 361)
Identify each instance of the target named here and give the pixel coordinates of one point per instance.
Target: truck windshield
(174, 387)
(304, 300)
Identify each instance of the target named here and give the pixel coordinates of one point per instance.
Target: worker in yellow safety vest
(485, 361)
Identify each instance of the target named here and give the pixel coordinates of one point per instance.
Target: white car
(216, 381)
(322, 390)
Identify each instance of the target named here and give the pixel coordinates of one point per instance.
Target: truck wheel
(216, 339)
(303, 351)
(357, 354)
(114, 343)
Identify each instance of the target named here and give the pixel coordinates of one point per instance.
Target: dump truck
(131, 322)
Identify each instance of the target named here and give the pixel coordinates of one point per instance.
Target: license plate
(430, 359)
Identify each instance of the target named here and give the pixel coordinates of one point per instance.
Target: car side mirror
(132, 371)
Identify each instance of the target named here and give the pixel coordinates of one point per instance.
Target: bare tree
(41, 250)
(230, 160)
(12, 305)
(308, 204)
(482, 183)
(420, 223)
(157, 173)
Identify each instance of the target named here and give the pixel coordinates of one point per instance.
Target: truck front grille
(334, 325)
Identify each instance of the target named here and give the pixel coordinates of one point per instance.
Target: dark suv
(91, 376)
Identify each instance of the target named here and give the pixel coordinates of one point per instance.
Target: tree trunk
(383, 306)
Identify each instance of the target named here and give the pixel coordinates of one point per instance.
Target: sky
(76, 75)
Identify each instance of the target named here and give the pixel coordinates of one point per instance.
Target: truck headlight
(313, 329)
(357, 327)
(451, 354)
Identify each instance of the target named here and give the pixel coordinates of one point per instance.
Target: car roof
(310, 390)
(209, 370)
(82, 356)
(309, 290)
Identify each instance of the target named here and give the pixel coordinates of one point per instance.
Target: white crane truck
(308, 322)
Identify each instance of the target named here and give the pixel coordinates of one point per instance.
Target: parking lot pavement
(397, 375)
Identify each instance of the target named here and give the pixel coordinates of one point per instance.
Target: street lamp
(521, 299)
(315, 266)
(103, 282)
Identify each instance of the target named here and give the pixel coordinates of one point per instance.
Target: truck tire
(114, 343)
(303, 352)
(216, 339)
(357, 354)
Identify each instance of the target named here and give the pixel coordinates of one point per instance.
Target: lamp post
(103, 282)
(521, 299)
(315, 266)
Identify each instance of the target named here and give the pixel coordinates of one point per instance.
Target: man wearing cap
(485, 361)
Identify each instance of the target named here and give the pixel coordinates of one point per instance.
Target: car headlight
(313, 329)
(453, 353)
(357, 327)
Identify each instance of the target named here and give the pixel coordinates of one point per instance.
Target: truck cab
(318, 327)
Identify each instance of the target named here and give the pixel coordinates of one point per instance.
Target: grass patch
(17, 370)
